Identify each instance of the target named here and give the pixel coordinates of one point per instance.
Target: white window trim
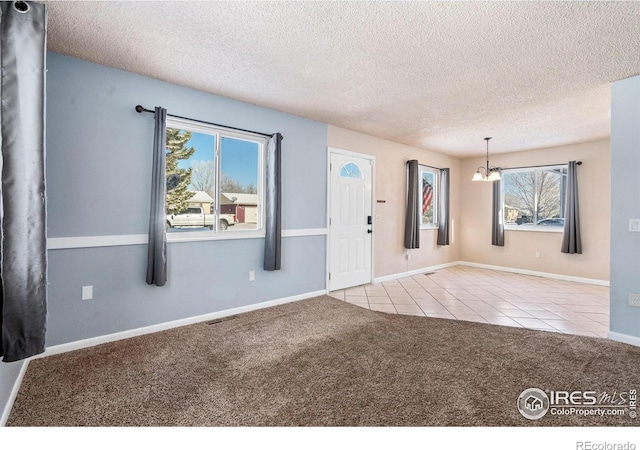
(436, 203)
(192, 236)
(533, 228)
(218, 133)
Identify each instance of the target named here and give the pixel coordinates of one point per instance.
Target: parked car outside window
(551, 222)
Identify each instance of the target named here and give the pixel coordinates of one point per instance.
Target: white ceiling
(436, 75)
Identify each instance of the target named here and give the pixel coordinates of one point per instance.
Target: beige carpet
(322, 362)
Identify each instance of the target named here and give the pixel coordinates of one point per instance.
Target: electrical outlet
(87, 292)
(537, 254)
(634, 300)
(252, 275)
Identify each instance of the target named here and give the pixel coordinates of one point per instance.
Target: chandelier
(490, 173)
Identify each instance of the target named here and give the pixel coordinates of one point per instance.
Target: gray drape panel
(443, 208)
(157, 249)
(414, 197)
(23, 221)
(497, 217)
(571, 242)
(273, 207)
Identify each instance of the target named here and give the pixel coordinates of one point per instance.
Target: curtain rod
(426, 165)
(578, 163)
(140, 109)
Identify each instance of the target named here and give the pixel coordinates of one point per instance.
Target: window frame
(218, 133)
(534, 227)
(436, 191)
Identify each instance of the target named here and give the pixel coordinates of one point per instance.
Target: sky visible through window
(239, 158)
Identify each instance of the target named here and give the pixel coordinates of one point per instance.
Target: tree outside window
(214, 179)
(534, 197)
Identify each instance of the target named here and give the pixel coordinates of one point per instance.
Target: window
(214, 179)
(351, 170)
(533, 198)
(429, 181)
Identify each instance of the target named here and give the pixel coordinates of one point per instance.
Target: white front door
(350, 221)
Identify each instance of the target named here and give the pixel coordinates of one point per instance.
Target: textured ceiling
(436, 75)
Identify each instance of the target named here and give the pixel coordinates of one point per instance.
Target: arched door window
(351, 170)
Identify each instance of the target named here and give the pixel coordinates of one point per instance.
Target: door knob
(369, 231)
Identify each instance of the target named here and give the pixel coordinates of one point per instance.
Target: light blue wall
(625, 204)
(9, 373)
(98, 180)
(203, 277)
(99, 148)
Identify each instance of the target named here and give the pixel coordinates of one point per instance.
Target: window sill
(197, 236)
(428, 227)
(536, 229)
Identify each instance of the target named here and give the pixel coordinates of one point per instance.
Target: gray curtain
(23, 221)
(414, 197)
(571, 242)
(497, 217)
(443, 208)
(157, 249)
(273, 207)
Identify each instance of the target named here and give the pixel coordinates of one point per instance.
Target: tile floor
(500, 298)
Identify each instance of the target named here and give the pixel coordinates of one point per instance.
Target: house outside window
(534, 198)
(429, 189)
(215, 180)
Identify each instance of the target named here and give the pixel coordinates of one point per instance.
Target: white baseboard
(414, 272)
(624, 338)
(554, 276)
(76, 345)
(13, 395)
